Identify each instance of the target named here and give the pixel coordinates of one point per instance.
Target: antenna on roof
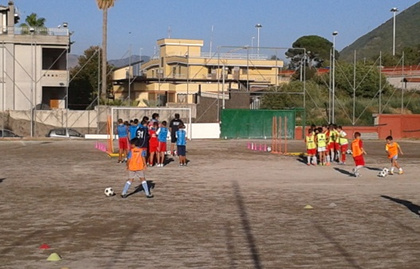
(169, 31)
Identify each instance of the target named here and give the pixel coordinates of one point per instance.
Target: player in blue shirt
(122, 132)
(162, 134)
(181, 144)
(133, 128)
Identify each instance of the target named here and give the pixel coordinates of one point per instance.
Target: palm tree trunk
(104, 52)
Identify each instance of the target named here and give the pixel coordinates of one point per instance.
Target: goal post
(165, 113)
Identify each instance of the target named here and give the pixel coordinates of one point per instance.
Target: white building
(33, 64)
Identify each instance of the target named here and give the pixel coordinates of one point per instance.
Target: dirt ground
(229, 208)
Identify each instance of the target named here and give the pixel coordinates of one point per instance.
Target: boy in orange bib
(392, 148)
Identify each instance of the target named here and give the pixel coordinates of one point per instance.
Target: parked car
(7, 133)
(64, 133)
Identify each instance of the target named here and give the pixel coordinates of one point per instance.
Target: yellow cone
(54, 257)
(308, 207)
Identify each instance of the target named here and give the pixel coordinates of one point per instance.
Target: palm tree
(104, 5)
(35, 22)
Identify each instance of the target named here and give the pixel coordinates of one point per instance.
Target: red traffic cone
(44, 246)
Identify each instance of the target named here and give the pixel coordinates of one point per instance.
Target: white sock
(309, 159)
(328, 158)
(314, 160)
(332, 156)
(145, 187)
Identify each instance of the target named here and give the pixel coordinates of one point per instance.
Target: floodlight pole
(394, 10)
(258, 26)
(333, 80)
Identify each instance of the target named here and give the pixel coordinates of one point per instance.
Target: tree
(35, 22)
(104, 5)
(317, 51)
(411, 57)
(83, 88)
(367, 80)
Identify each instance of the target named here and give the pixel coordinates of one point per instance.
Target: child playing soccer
(162, 134)
(122, 132)
(392, 148)
(343, 143)
(181, 142)
(321, 141)
(311, 147)
(136, 167)
(358, 151)
(153, 142)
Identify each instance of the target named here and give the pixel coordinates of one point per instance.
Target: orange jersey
(135, 161)
(356, 147)
(392, 149)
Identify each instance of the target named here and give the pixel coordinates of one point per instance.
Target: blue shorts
(181, 150)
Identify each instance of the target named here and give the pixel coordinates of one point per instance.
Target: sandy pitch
(230, 208)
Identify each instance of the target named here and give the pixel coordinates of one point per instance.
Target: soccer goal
(165, 114)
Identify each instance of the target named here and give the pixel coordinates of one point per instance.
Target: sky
(134, 26)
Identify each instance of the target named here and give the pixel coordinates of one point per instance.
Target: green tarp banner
(256, 124)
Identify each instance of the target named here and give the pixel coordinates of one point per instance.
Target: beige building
(33, 64)
(181, 72)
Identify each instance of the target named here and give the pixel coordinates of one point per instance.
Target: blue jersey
(162, 134)
(133, 129)
(122, 131)
(181, 137)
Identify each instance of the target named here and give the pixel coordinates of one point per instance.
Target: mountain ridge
(380, 39)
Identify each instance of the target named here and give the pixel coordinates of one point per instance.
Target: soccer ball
(382, 174)
(168, 152)
(385, 170)
(349, 152)
(268, 149)
(109, 192)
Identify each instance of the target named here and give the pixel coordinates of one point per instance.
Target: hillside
(380, 39)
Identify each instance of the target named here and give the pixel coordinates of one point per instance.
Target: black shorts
(173, 138)
(181, 150)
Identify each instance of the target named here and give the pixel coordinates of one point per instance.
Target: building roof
(411, 80)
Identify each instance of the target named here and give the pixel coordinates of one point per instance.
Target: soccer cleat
(150, 196)
(391, 173)
(123, 195)
(401, 172)
(357, 174)
(119, 161)
(328, 164)
(308, 164)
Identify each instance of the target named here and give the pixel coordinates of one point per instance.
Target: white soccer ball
(109, 192)
(382, 174)
(269, 149)
(349, 152)
(168, 152)
(385, 170)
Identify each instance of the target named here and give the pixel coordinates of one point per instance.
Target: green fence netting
(256, 124)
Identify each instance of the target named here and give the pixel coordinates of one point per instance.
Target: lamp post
(258, 26)
(393, 10)
(333, 80)
(32, 31)
(252, 43)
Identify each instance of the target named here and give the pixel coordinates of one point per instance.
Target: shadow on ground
(345, 172)
(412, 207)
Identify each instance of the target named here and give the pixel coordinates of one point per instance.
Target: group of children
(147, 141)
(326, 144)
(329, 143)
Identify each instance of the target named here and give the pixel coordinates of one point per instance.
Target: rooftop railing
(35, 31)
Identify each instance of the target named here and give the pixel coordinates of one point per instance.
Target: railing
(35, 30)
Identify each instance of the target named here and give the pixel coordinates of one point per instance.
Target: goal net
(165, 114)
